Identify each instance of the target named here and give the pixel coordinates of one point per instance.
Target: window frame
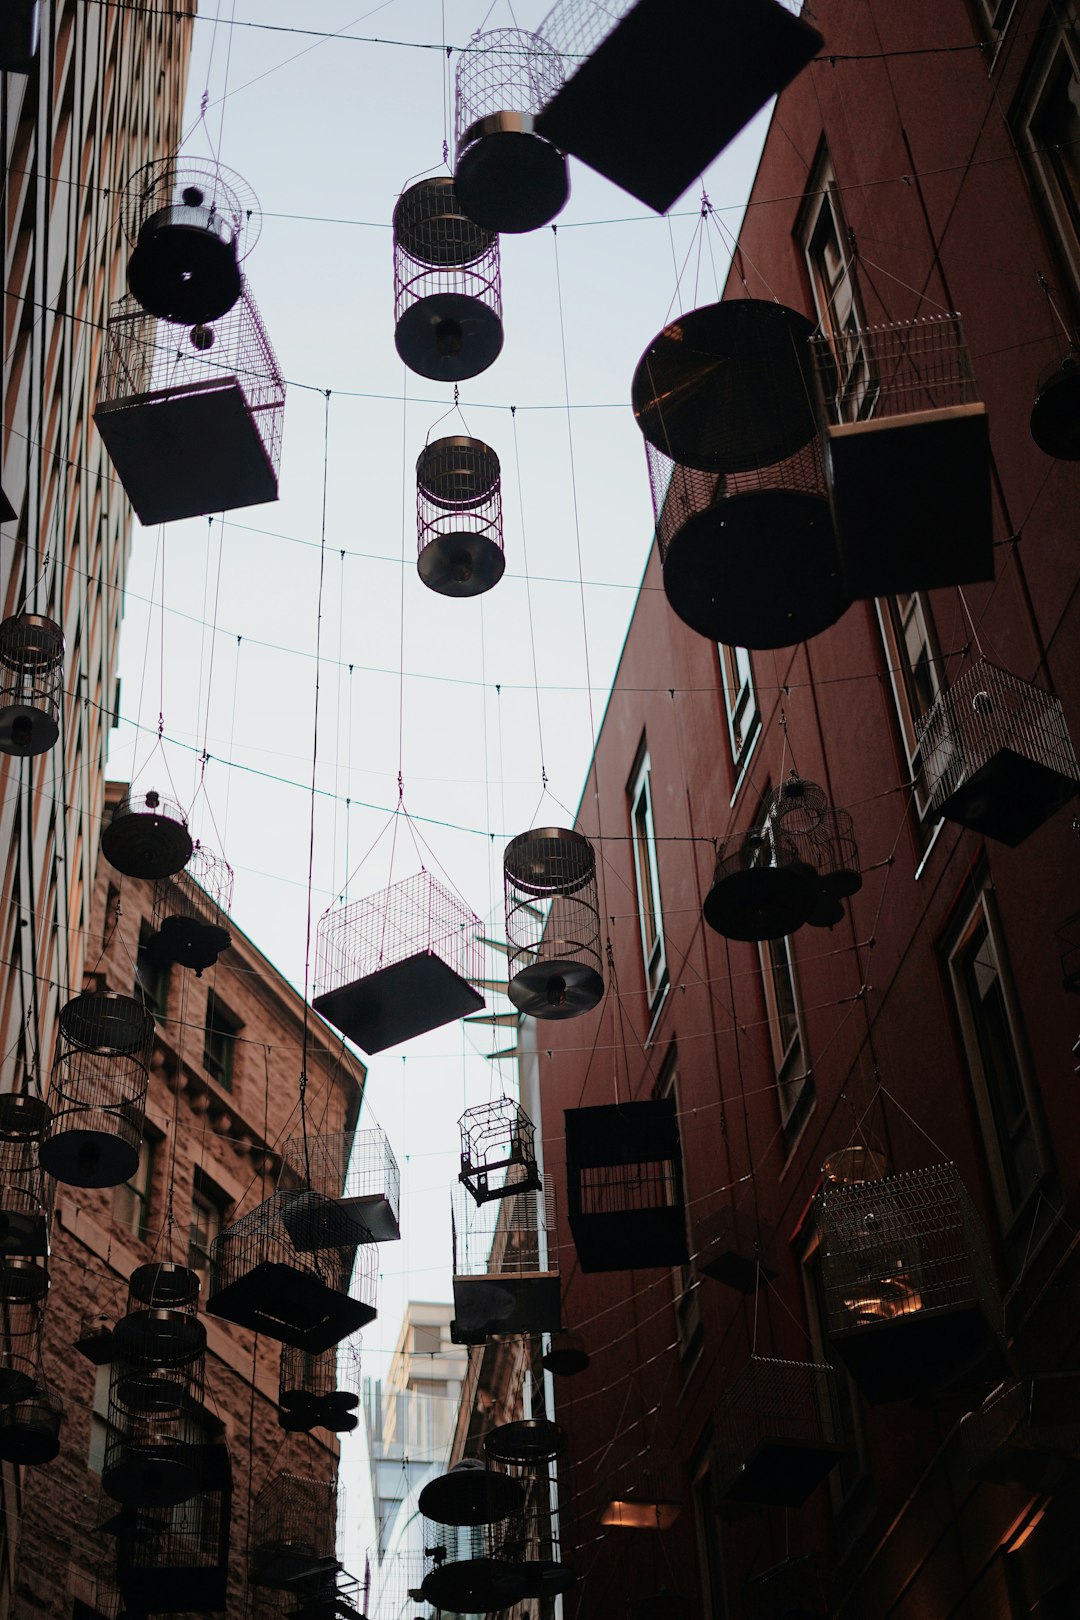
(153, 990)
(1059, 203)
(139, 1187)
(206, 1195)
(793, 1090)
(647, 882)
(821, 223)
(851, 1477)
(740, 705)
(903, 682)
(685, 1283)
(220, 1067)
(708, 1543)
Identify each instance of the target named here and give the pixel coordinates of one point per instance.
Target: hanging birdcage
(462, 1512)
(997, 755)
(261, 1280)
(95, 1340)
(176, 1560)
(658, 89)
(30, 1426)
(761, 889)
(31, 683)
(147, 836)
(732, 1246)
(506, 1269)
(507, 177)
(625, 1185)
(319, 1390)
(97, 1096)
(778, 1432)
(1055, 415)
(153, 1447)
(161, 1327)
(498, 1150)
(552, 923)
(823, 840)
(191, 912)
(358, 1170)
(399, 963)
(908, 453)
(26, 1193)
(1024, 1430)
(447, 291)
(566, 1354)
(190, 224)
(337, 1596)
(794, 1589)
(459, 531)
(909, 1288)
(293, 1531)
(533, 1539)
(192, 420)
(20, 1348)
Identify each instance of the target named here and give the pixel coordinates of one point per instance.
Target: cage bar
(21, 1322)
(507, 176)
(191, 911)
(997, 755)
(398, 963)
(161, 1327)
(552, 923)
(26, 1193)
(30, 1427)
(908, 456)
(733, 1247)
(447, 288)
(625, 1185)
(498, 1150)
(911, 1301)
(794, 1589)
(192, 420)
(506, 1272)
(319, 1390)
(153, 1454)
(176, 1560)
(147, 836)
(293, 1531)
(459, 526)
(97, 1095)
(358, 1170)
(777, 1432)
(31, 684)
(1024, 1431)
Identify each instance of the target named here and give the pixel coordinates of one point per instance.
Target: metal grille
(681, 493)
(506, 1236)
(26, 1192)
(152, 1447)
(912, 366)
(356, 1167)
(21, 1322)
(782, 1403)
(575, 28)
(202, 891)
(613, 1189)
(146, 361)
(506, 70)
(414, 916)
(293, 1530)
(498, 1150)
(31, 683)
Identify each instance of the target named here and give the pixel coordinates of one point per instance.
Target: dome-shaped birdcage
(191, 911)
(824, 842)
(30, 1427)
(1055, 415)
(31, 683)
(293, 1531)
(191, 224)
(447, 290)
(498, 1150)
(20, 1348)
(459, 531)
(552, 923)
(319, 1390)
(150, 1458)
(26, 1192)
(508, 178)
(97, 1096)
(761, 889)
(147, 836)
(161, 1327)
(724, 398)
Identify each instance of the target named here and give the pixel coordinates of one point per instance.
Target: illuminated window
(740, 701)
(647, 880)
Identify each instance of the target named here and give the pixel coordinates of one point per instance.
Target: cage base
(1055, 415)
(448, 336)
(671, 86)
(1009, 797)
(144, 845)
(920, 1353)
(182, 269)
(187, 453)
(191, 943)
(161, 1475)
(461, 564)
(761, 902)
(26, 730)
(507, 1302)
(294, 1307)
(911, 501)
(23, 1233)
(30, 1441)
(567, 1356)
(757, 569)
(780, 1473)
(173, 1588)
(88, 1158)
(522, 1175)
(550, 988)
(398, 1002)
(285, 1565)
(473, 1586)
(509, 179)
(470, 1495)
(630, 1240)
(22, 1281)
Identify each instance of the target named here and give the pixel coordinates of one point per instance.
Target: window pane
(1000, 1064)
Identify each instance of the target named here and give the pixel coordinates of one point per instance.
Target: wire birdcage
(908, 456)
(823, 840)
(508, 178)
(154, 1446)
(319, 1390)
(26, 1192)
(506, 1269)
(191, 912)
(552, 923)
(261, 1279)
(1055, 414)
(447, 287)
(794, 1589)
(30, 1427)
(459, 528)
(1024, 1429)
(997, 755)
(910, 1296)
(21, 1322)
(398, 963)
(31, 684)
(624, 1185)
(498, 1150)
(761, 889)
(358, 1170)
(533, 1539)
(190, 224)
(176, 1560)
(778, 1432)
(97, 1095)
(161, 1327)
(293, 1531)
(192, 420)
(462, 1514)
(732, 1246)
(147, 836)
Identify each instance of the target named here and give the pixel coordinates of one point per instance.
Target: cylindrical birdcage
(20, 1347)
(527, 1451)
(459, 517)
(498, 1150)
(26, 1192)
(761, 889)
(31, 683)
(173, 1560)
(30, 1427)
(147, 836)
(98, 1091)
(162, 1326)
(358, 1170)
(508, 178)
(191, 910)
(293, 1531)
(447, 289)
(552, 923)
(153, 1449)
(319, 1390)
(463, 1512)
(191, 223)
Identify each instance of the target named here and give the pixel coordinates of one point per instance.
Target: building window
(831, 264)
(995, 14)
(1048, 127)
(786, 1030)
(911, 650)
(219, 1046)
(707, 1534)
(852, 1467)
(131, 1200)
(99, 1421)
(647, 879)
(208, 1206)
(151, 975)
(112, 903)
(684, 1279)
(740, 700)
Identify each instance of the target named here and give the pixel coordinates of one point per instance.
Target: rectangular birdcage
(625, 1185)
(997, 755)
(778, 1432)
(301, 1294)
(358, 1170)
(293, 1531)
(794, 1589)
(506, 1272)
(176, 1560)
(733, 1247)
(1024, 1430)
(649, 113)
(191, 419)
(498, 1150)
(908, 456)
(910, 1295)
(398, 963)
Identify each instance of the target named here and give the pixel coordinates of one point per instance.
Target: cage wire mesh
(508, 177)
(319, 1390)
(30, 1427)
(464, 1573)
(447, 284)
(552, 923)
(161, 1327)
(506, 1270)
(761, 889)
(532, 1537)
(358, 1170)
(905, 367)
(176, 1559)
(97, 1093)
(498, 1150)
(504, 69)
(293, 1531)
(147, 835)
(191, 911)
(153, 1443)
(778, 1431)
(21, 1323)
(26, 1192)
(459, 522)
(31, 683)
